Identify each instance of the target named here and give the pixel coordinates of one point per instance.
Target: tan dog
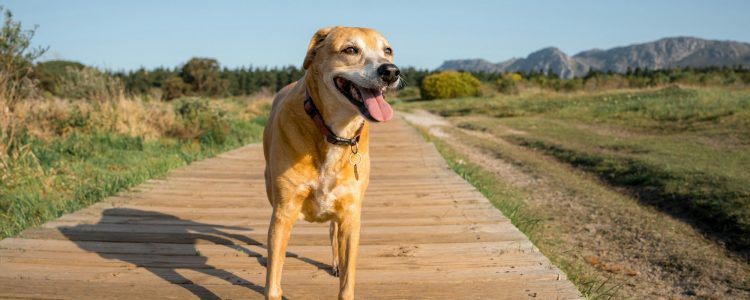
(316, 145)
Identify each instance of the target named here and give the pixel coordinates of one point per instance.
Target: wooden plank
(252, 260)
(73, 220)
(193, 213)
(240, 274)
(313, 236)
(444, 249)
(528, 288)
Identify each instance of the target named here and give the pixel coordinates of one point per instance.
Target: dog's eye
(351, 51)
(388, 51)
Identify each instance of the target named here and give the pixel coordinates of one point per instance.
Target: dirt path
(628, 250)
(201, 233)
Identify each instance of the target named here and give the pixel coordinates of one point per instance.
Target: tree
(16, 60)
(173, 87)
(50, 73)
(203, 76)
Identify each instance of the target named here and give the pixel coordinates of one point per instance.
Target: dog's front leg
(279, 231)
(333, 232)
(348, 242)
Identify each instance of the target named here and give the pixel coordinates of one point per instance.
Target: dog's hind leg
(279, 231)
(348, 242)
(333, 232)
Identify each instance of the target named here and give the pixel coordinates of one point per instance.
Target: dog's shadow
(165, 260)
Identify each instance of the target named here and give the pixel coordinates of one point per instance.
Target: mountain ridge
(665, 53)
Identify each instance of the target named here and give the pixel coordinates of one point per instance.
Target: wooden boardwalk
(201, 232)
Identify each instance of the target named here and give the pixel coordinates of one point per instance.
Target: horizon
(240, 34)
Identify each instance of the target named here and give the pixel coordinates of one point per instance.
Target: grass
(70, 157)
(683, 151)
(666, 109)
(718, 202)
(594, 161)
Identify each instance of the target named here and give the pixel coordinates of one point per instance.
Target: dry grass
(47, 119)
(60, 155)
(686, 144)
(50, 118)
(608, 244)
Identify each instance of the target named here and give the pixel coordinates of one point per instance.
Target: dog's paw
(335, 271)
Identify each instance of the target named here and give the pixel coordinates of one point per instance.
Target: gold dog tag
(354, 159)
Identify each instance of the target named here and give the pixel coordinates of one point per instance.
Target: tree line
(207, 78)
(197, 77)
(510, 83)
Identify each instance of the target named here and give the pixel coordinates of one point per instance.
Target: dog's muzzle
(388, 73)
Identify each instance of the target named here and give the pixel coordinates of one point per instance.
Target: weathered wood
(200, 233)
(523, 288)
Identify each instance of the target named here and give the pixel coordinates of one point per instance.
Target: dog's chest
(333, 188)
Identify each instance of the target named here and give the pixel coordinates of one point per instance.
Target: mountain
(662, 54)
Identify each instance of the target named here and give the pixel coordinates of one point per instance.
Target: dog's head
(351, 68)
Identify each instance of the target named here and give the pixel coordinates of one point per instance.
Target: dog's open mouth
(370, 102)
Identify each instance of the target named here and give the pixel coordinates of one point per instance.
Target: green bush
(508, 83)
(449, 85)
(89, 83)
(410, 92)
(173, 87)
(77, 119)
(49, 74)
(572, 85)
(199, 121)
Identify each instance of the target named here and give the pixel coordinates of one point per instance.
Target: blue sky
(129, 34)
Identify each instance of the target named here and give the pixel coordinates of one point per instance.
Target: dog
(316, 145)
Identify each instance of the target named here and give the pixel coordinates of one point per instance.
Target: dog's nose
(388, 72)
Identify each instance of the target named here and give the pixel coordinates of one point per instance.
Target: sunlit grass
(67, 155)
(594, 158)
(685, 151)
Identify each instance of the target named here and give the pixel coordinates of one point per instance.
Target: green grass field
(684, 151)
(633, 193)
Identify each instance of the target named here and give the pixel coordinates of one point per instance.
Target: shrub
(89, 83)
(173, 87)
(199, 121)
(572, 85)
(75, 119)
(508, 83)
(49, 74)
(449, 85)
(487, 90)
(410, 92)
(16, 58)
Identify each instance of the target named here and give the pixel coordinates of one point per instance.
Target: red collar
(332, 138)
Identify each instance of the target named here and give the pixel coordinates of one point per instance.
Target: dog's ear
(315, 43)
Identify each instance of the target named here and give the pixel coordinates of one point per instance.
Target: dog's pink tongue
(379, 109)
